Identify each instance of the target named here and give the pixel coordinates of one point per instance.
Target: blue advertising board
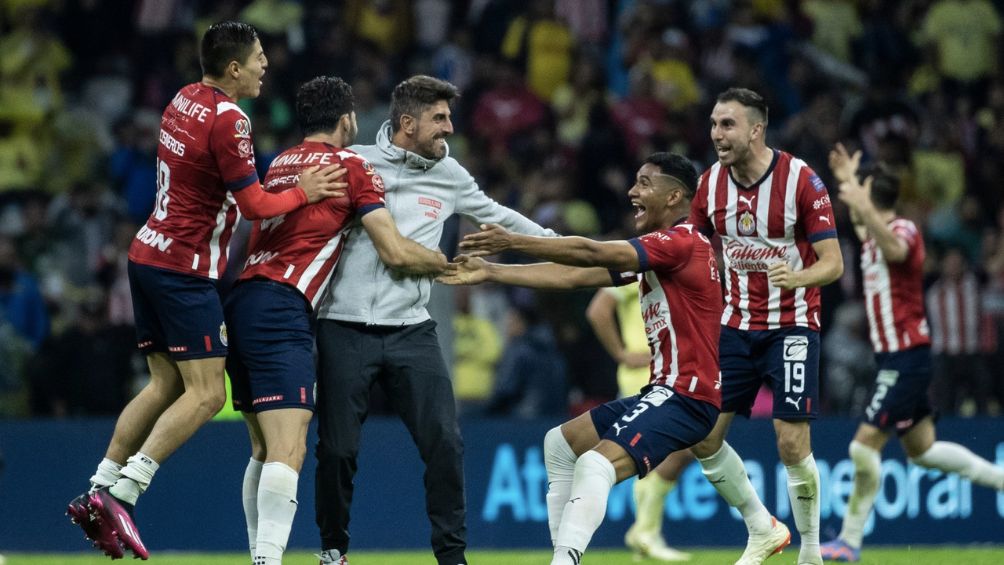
(194, 501)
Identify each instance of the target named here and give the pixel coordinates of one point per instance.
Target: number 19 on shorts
(796, 352)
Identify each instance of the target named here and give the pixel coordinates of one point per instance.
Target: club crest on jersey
(747, 223)
(243, 128)
(223, 334)
(377, 182)
(244, 148)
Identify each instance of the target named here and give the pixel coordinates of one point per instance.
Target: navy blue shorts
(899, 397)
(787, 359)
(176, 313)
(271, 361)
(653, 424)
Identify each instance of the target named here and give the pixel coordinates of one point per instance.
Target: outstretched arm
(576, 251)
(315, 184)
(474, 270)
(398, 252)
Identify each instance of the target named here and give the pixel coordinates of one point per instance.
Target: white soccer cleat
(761, 546)
(651, 545)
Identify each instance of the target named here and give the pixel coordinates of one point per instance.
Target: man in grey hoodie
(373, 325)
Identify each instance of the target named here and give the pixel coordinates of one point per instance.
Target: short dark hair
(413, 96)
(885, 186)
(678, 167)
(747, 98)
(321, 102)
(224, 42)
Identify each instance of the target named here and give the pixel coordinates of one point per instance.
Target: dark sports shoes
(103, 538)
(115, 515)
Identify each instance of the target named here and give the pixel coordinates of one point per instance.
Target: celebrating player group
(341, 235)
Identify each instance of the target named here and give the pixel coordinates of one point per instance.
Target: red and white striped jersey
(204, 155)
(301, 248)
(778, 218)
(894, 293)
(956, 314)
(681, 303)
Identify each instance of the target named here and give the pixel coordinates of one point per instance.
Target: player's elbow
(394, 258)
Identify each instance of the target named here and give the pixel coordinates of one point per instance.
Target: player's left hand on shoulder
(781, 275)
(492, 239)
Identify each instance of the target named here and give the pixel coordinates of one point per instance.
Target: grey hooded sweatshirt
(420, 194)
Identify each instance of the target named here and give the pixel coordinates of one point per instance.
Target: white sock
(803, 491)
(587, 505)
(276, 508)
(135, 479)
(726, 472)
(107, 473)
(249, 496)
(867, 472)
(650, 499)
(954, 458)
(559, 460)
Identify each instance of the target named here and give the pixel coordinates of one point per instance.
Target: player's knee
(557, 451)
(707, 447)
(792, 448)
(211, 402)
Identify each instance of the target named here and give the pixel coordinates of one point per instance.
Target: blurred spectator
(133, 164)
(506, 110)
(965, 35)
(477, 347)
(960, 382)
(850, 367)
(24, 321)
(531, 377)
(542, 46)
(61, 386)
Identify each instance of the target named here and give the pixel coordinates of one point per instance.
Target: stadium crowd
(561, 99)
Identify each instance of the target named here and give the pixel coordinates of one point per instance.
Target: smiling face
(650, 198)
(733, 132)
(431, 130)
(250, 72)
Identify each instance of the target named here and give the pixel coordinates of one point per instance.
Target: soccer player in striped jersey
(681, 303)
(892, 259)
(205, 171)
(291, 259)
(779, 243)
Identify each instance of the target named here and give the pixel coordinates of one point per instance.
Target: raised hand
(844, 166)
(857, 196)
(492, 239)
(465, 270)
(318, 183)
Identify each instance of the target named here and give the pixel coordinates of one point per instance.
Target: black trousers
(407, 363)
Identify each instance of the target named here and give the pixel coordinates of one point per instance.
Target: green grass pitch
(916, 555)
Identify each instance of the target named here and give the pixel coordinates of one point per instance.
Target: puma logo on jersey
(794, 402)
(747, 200)
(260, 257)
(154, 238)
(270, 223)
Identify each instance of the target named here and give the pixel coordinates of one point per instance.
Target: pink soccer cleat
(102, 538)
(116, 515)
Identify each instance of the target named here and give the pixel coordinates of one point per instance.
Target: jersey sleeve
(814, 207)
(366, 185)
(231, 145)
(907, 233)
(699, 208)
(664, 250)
